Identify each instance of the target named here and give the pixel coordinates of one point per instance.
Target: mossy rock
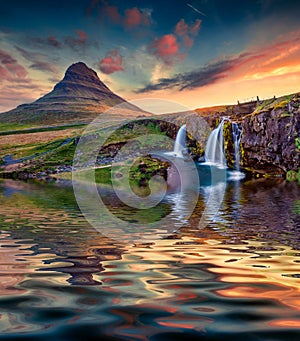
(292, 175)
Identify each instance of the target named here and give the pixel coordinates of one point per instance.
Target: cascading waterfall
(236, 136)
(180, 142)
(214, 151)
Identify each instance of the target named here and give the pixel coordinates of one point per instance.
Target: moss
(272, 103)
(228, 144)
(145, 168)
(285, 114)
(292, 175)
(297, 142)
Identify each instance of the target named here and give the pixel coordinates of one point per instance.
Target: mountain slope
(79, 97)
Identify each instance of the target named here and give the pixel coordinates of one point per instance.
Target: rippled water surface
(234, 278)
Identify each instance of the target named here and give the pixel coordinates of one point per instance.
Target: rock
(268, 140)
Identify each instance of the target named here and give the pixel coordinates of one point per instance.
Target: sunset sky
(196, 52)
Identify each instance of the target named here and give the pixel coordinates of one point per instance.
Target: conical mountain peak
(79, 97)
(79, 72)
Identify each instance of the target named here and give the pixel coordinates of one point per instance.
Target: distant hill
(79, 97)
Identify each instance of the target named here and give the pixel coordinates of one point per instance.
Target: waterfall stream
(236, 136)
(180, 142)
(214, 151)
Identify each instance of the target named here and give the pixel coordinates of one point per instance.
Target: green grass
(4, 127)
(21, 151)
(13, 129)
(269, 104)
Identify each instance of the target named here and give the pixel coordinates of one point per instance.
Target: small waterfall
(236, 136)
(214, 151)
(180, 142)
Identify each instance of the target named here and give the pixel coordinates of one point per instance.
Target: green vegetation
(269, 104)
(297, 142)
(14, 128)
(59, 157)
(292, 175)
(133, 130)
(30, 149)
(5, 128)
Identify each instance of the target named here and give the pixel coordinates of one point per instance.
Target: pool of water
(236, 277)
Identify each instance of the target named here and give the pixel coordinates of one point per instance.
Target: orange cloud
(131, 18)
(10, 68)
(181, 28)
(134, 17)
(111, 63)
(278, 59)
(186, 32)
(113, 14)
(166, 49)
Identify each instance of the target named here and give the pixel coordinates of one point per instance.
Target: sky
(196, 52)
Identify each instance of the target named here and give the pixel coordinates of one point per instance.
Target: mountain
(79, 97)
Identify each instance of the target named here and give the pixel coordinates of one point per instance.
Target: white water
(214, 151)
(180, 143)
(236, 135)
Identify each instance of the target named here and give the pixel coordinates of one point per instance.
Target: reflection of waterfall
(236, 136)
(213, 197)
(214, 151)
(180, 143)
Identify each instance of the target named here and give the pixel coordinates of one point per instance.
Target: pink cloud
(181, 28)
(187, 33)
(187, 41)
(82, 36)
(134, 17)
(166, 48)
(52, 41)
(129, 19)
(113, 14)
(194, 29)
(77, 42)
(111, 63)
(10, 68)
(4, 74)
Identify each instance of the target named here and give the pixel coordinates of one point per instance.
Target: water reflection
(237, 277)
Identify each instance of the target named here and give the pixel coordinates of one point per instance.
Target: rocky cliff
(271, 136)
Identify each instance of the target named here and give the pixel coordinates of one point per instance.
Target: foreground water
(237, 278)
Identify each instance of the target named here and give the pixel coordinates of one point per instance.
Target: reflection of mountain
(48, 217)
(79, 97)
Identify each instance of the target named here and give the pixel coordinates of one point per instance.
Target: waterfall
(180, 142)
(214, 151)
(236, 136)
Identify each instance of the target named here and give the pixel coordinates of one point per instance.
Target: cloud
(10, 68)
(187, 33)
(278, 58)
(112, 13)
(166, 49)
(171, 48)
(181, 28)
(78, 41)
(129, 19)
(135, 17)
(91, 7)
(51, 41)
(206, 75)
(37, 61)
(111, 63)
